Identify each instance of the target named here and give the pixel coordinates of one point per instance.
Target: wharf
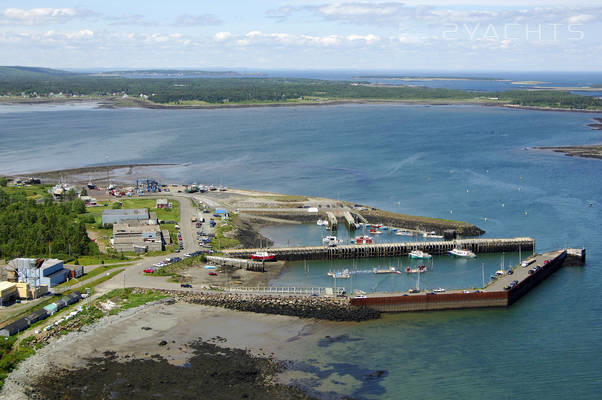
(524, 244)
(495, 294)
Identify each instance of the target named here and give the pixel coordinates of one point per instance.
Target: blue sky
(512, 35)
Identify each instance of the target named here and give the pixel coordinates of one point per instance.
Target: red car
(149, 271)
(546, 261)
(213, 273)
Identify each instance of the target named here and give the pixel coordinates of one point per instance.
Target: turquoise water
(462, 162)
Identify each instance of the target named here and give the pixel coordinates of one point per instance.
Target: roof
(220, 211)
(161, 201)
(6, 285)
(51, 261)
(59, 272)
(126, 211)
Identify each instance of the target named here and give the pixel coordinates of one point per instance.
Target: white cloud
(197, 20)
(257, 37)
(19, 16)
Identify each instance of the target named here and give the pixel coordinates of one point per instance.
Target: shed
(36, 316)
(56, 278)
(18, 326)
(60, 304)
(51, 308)
(75, 271)
(162, 203)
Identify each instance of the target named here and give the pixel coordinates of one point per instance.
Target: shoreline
(112, 103)
(157, 340)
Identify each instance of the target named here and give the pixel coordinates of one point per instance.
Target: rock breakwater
(328, 308)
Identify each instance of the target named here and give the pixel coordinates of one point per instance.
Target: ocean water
(461, 162)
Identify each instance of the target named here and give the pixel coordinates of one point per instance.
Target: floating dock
(332, 221)
(495, 294)
(523, 244)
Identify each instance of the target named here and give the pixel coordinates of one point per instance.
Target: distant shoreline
(116, 103)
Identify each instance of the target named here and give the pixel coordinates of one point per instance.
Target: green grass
(174, 269)
(11, 355)
(98, 259)
(96, 271)
(126, 298)
(221, 241)
(31, 191)
(286, 198)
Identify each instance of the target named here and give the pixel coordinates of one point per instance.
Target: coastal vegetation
(21, 84)
(14, 349)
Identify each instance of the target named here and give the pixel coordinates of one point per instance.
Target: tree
(84, 192)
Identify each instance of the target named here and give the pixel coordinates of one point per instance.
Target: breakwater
(391, 249)
(328, 308)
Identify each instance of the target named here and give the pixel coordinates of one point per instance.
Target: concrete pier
(495, 294)
(391, 249)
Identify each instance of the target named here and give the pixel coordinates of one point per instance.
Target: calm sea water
(463, 162)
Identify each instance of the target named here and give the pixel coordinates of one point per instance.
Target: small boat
(209, 267)
(320, 222)
(212, 273)
(419, 254)
(404, 232)
(462, 253)
(390, 270)
(91, 185)
(376, 232)
(263, 256)
(344, 274)
(432, 235)
(363, 239)
(331, 240)
(439, 290)
(421, 268)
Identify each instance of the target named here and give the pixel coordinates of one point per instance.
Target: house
(163, 203)
(125, 214)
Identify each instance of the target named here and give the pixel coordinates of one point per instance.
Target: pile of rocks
(335, 309)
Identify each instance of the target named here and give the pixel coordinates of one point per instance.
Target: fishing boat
(419, 254)
(331, 240)
(364, 239)
(404, 232)
(462, 253)
(376, 232)
(344, 274)
(320, 222)
(263, 256)
(432, 235)
(390, 270)
(421, 268)
(91, 185)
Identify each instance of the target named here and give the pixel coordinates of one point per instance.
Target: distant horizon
(284, 69)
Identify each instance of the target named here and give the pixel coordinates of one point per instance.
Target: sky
(451, 35)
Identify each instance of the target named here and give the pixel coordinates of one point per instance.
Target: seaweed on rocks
(212, 372)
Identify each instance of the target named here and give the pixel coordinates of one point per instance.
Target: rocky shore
(328, 308)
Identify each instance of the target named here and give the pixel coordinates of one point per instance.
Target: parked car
(510, 272)
(186, 285)
(149, 271)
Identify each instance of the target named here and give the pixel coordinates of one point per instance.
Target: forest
(41, 229)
